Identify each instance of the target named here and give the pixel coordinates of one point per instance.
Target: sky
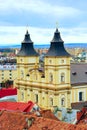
(41, 18)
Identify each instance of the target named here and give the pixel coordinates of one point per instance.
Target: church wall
(54, 88)
(56, 68)
(27, 59)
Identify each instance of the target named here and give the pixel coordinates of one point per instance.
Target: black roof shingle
(78, 73)
(57, 46)
(27, 48)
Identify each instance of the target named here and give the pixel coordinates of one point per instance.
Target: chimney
(30, 121)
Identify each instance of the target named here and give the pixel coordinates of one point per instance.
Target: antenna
(56, 24)
(27, 27)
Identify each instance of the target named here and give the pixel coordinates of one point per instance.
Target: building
(7, 72)
(17, 106)
(21, 121)
(58, 83)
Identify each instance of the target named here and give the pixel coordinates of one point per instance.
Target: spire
(57, 37)
(56, 24)
(27, 48)
(57, 46)
(27, 38)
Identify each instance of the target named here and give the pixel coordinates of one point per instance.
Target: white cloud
(36, 6)
(11, 35)
(62, 12)
(73, 35)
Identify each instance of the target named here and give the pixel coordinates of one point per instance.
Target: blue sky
(40, 17)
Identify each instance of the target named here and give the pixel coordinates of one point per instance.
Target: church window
(81, 96)
(50, 61)
(62, 77)
(21, 60)
(22, 95)
(63, 101)
(51, 77)
(36, 76)
(2, 74)
(22, 74)
(2, 78)
(51, 101)
(36, 98)
(62, 61)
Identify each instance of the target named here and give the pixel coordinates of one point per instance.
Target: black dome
(27, 48)
(57, 46)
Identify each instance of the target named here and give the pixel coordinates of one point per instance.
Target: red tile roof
(16, 106)
(8, 92)
(19, 121)
(13, 121)
(48, 114)
(83, 119)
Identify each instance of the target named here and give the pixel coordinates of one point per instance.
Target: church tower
(48, 86)
(27, 59)
(57, 71)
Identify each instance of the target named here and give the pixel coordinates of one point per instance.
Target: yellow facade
(50, 86)
(49, 91)
(75, 93)
(53, 90)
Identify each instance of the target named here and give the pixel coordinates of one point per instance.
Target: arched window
(36, 98)
(62, 61)
(22, 95)
(50, 61)
(51, 101)
(63, 101)
(81, 96)
(21, 60)
(36, 76)
(22, 74)
(62, 77)
(51, 77)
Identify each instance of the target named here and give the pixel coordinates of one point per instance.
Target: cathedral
(58, 83)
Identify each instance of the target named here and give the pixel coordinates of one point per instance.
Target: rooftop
(27, 48)
(7, 67)
(57, 46)
(78, 105)
(8, 92)
(16, 106)
(21, 121)
(78, 73)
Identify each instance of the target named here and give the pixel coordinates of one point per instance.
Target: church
(58, 83)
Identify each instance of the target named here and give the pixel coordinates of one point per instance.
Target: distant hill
(76, 45)
(67, 45)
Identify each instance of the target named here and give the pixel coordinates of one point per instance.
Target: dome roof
(57, 46)
(27, 48)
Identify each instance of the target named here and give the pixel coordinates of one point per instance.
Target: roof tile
(18, 121)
